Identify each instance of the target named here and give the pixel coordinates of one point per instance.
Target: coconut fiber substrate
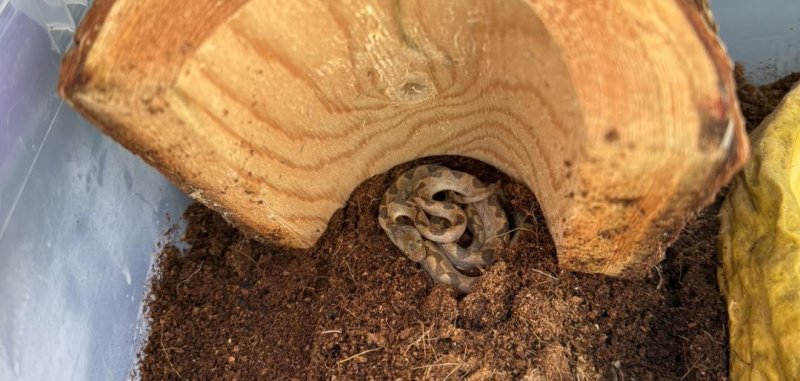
(354, 308)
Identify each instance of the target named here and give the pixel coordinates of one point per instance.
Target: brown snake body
(426, 229)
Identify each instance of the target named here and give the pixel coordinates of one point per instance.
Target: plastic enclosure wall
(80, 217)
(764, 35)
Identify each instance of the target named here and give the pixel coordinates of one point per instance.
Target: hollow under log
(620, 115)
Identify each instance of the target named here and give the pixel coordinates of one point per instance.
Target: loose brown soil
(758, 101)
(353, 308)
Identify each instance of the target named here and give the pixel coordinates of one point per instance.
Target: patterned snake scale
(427, 230)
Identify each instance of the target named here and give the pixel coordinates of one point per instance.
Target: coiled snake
(427, 227)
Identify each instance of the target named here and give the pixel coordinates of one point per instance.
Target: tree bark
(620, 115)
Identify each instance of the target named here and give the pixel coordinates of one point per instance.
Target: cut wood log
(620, 115)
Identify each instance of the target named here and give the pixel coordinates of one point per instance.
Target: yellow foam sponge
(760, 249)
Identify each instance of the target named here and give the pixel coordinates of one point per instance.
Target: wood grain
(619, 115)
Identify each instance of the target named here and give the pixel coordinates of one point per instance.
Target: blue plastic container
(80, 217)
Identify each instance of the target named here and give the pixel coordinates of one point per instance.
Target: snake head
(415, 251)
(410, 242)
